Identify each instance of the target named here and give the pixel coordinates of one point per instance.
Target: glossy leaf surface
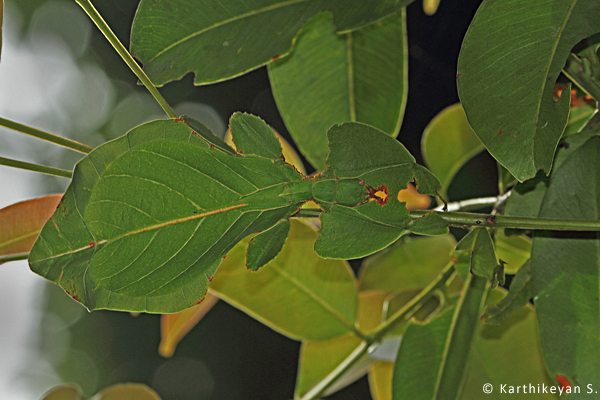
(329, 79)
(300, 287)
(21, 223)
(218, 41)
(448, 143)
(565, 270)
(507, 92)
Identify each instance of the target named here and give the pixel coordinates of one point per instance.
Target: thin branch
(35, 167)
(474, 204)
(581, 72)
(118, 46)
(47, 136)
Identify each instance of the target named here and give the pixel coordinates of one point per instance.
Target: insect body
(166, 202)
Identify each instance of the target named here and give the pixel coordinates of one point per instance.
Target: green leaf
(21, 223)
(513, 250)
(507, 92)
(419, 358)
(433, 358)
(218, 41)
(252, 135)
(507, 354)
(149, 216)
(566, 273)
(266, 245)
(412, 263)
(382, 164)
(483, 256)
(500, 354)
(521, 291)
(430, 224)
(329, 79)
(129, 391)
(448, 143)
(66, 392)
(309, 297)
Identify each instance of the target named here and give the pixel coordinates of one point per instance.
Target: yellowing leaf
(66, 392)
(430, 6)
(21, 223)
(413, 199)
(173, 327)
(380, 380)
(127, 391)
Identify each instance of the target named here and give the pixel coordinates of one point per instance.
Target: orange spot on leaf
(563, 381)
(413, 199)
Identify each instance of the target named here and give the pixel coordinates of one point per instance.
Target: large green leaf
(511, 57)
(328, 79)
(221, 40)
(448, 143)
(308, 297)
(566, 271)
(148, 217)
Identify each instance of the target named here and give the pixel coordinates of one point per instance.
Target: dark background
(229, 355)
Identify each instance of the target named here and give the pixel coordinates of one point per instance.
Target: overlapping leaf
(507, 354)
(220, 40)
(329, 79)
(566, 272)
(21, 223)
(300, 287)
(510, 59)
(129, 391)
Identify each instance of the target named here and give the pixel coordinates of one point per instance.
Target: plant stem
(118, 46)
(378, 334)
(35, 167)
(47, 136)
(13, 257)
(474, 204)
(583, 72)
(413, 304)
(465, 220)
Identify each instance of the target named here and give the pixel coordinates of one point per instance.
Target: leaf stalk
(36, 167)
(91, 11)
(13, 257)
(47, 136)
